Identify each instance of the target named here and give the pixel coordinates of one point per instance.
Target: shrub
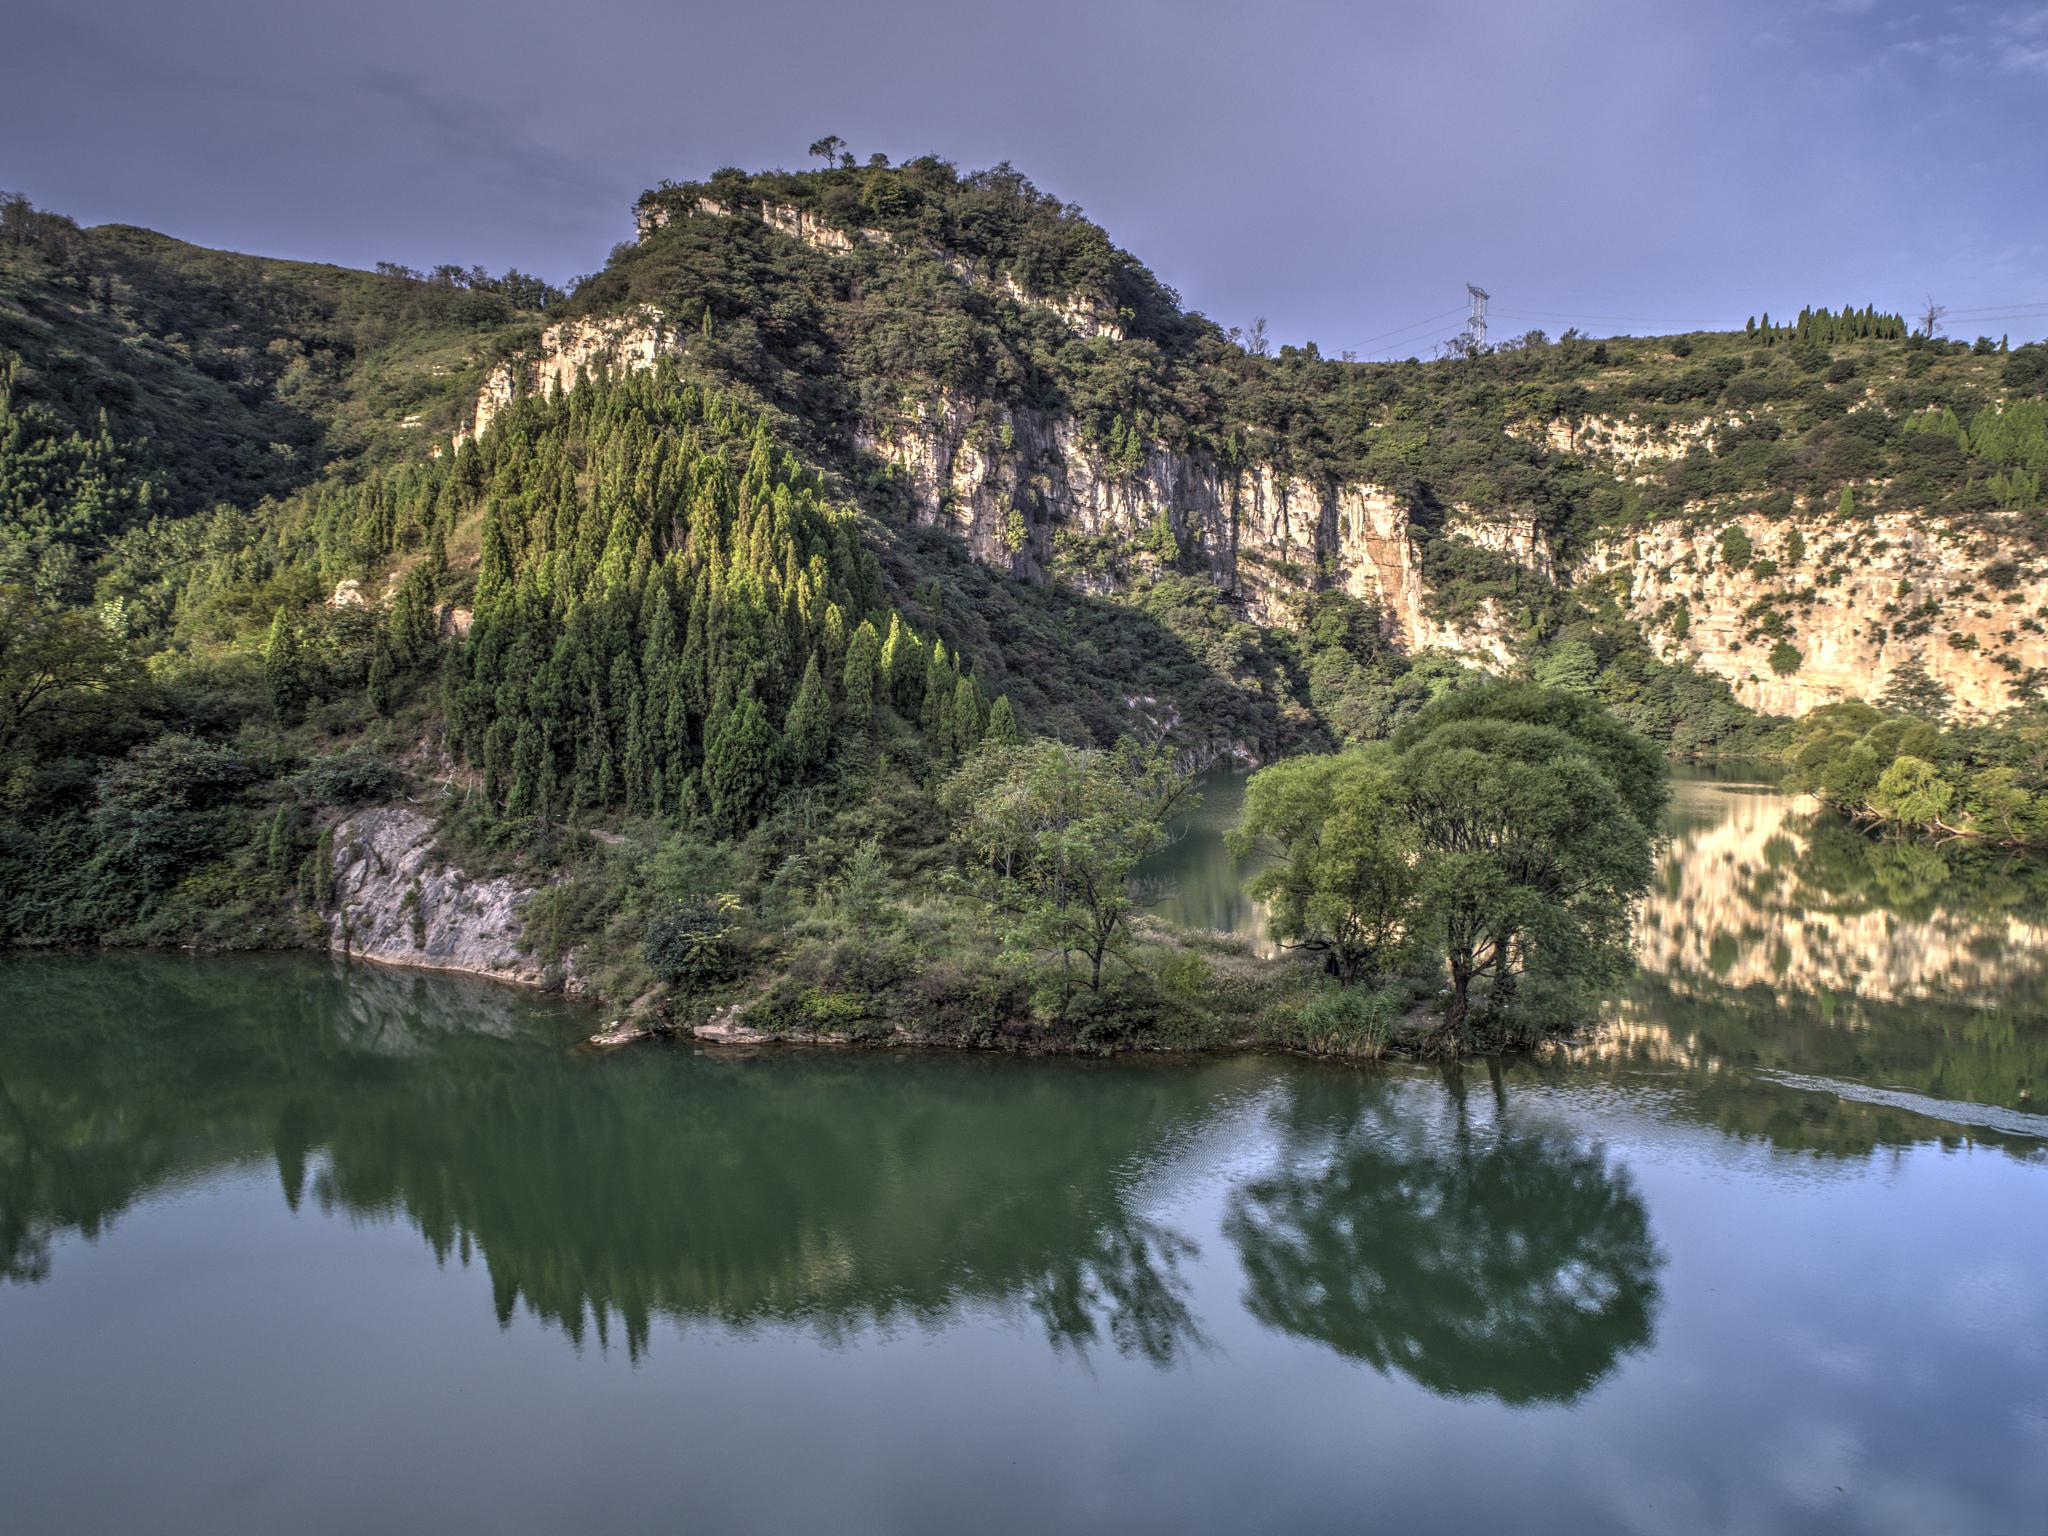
(1348, 1021)
(1785, 658)
(353, 777)
(691, 945)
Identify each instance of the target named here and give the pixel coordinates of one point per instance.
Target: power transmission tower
(1475, 327)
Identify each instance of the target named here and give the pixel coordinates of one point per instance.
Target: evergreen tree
(739, 759)
(281, 848)
(284, 672)
(857, 684)
(1002, 724)
(807, 733)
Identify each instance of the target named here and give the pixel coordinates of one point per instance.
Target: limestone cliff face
(1021, 488)
(396, 902)
(630, 343)
(1859, 599)
(1627, 444)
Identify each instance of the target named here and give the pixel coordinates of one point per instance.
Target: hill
(705, 577)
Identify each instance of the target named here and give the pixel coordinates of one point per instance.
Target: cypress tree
(857, 682)
(808, 732)
(281, 848)
(739, 754)
(284, 677)
(1002, 724)
(968, 722)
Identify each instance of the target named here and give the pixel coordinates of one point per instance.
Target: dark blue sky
(1343, 169)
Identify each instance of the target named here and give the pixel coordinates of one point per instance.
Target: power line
(1418, 325)
(1525, 314)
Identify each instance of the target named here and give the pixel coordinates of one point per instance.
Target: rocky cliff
(629, 343)
(1023, 489)
(398, 903)
(1857, 603)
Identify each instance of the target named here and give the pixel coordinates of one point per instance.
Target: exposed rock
(398, 903)
(631, 343)
(801, 224)
(1009, 481)
(1626, 443)
(1867, 597)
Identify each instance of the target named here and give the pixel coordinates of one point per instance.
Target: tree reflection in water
(831, 1192)
(1473, 1256)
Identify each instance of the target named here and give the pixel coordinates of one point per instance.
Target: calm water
(289, 1248)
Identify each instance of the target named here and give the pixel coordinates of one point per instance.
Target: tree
(691, 944)
(1060, 830)
(1534, 813)
(739, 758)
(1002, 724)
(807, 733)
(1342, 876)
(827, 149)
(56, 666)
(1506, 831)
(1913, 791)
(284, 675)
(857, 681)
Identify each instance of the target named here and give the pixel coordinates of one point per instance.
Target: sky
(1341, 169)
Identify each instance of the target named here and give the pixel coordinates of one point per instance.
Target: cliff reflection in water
(1780, 937)
(829, 1191)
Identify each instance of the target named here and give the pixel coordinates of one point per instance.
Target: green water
(287, 1247)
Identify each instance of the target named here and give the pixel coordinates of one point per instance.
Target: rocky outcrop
(1860, 600)
(1031, 495)
(397, 902)
(1626, 443)
(629, 343)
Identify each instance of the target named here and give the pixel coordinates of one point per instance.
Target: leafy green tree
(691, 944)
(59, 668)
(1060, 831)
(1342, 876)
(1914, 791)
(1536, 842)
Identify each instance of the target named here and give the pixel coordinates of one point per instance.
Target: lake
(286, 1246)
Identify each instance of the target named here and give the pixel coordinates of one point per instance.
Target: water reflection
(1760, 889)
(1194, 883)
(1446, 1243)
(833, 1191)
(1782, 940)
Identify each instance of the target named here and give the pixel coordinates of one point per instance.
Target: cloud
(476, 137)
